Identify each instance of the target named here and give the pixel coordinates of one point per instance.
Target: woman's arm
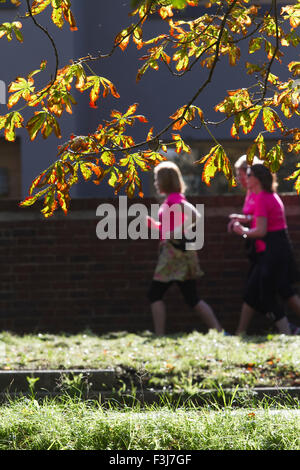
(259, 231)
(153, 224)
(242, 218)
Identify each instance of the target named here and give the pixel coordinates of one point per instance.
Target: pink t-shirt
(249, 209)
(249, 204)
(270, 205)
(170, 223)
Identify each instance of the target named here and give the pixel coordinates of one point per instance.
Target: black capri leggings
(188, 289)
(272, 276)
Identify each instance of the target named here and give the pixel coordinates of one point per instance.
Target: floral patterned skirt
(176, 265)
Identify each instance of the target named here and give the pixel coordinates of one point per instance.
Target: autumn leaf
(271, 119)
(61, 11)
(180, 145)
(294, 67)
(122, 39)
(39, 5)
(295, 176)
(50, 203)
(216, 160)
(184, 115)
(108, 158)
(94, 82)
(21, 88)
(166, 11)
(246, 120)
(39, 181)
(275, 158)
(44, 122)
(137, 37)
(7, 29)
(255, 44)
(86, 171)
(109, 86)
(234, 54)
(258, 148)
(12, 121)
(181, 45)
(293, 14)
(35, 124)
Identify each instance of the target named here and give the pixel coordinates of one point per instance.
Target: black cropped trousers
(271, 277)
(188, 289)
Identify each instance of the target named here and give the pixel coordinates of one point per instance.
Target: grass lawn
(67, 424)
(183, 361)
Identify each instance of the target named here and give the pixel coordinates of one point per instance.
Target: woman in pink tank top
(251, 246)
(275, 271)
(175, 262)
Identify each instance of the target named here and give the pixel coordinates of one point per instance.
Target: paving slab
(51, 380)
(105, 385)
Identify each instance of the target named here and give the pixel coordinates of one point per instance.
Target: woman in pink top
(175, 263)
(274, 272)
(246, 217)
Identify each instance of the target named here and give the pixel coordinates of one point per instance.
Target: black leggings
(188, 289)
(271, 277)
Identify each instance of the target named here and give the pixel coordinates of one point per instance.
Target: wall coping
(85, 208)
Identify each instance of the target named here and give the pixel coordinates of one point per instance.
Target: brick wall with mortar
(58, 276)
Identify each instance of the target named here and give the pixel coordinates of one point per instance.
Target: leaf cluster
(201, 43)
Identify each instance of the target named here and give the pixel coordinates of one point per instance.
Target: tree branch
(42, 28)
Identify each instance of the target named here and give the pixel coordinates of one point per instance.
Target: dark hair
(267, 179)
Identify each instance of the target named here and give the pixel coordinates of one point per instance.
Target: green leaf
(39, 5)
(258, 148)
(14, 120)
(255, 44)
(44, 122)
(216, 160)
(35, 124)
(271, 119)
(86, 171)
(275, 158)
(107, 158)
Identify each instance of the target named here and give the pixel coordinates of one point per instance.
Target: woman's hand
(241, 218)
(238, 228)
(230, 225)
(152, 223)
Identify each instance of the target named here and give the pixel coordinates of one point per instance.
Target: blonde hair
(169, 178)
(241, 163)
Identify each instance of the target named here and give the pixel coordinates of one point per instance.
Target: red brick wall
(58, 276)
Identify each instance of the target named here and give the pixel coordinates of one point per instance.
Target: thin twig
(89, 57)
(207, 81)
(42, 28)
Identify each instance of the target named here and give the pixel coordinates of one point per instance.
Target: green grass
(185, 362)
(67, 424)
(175, 362)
